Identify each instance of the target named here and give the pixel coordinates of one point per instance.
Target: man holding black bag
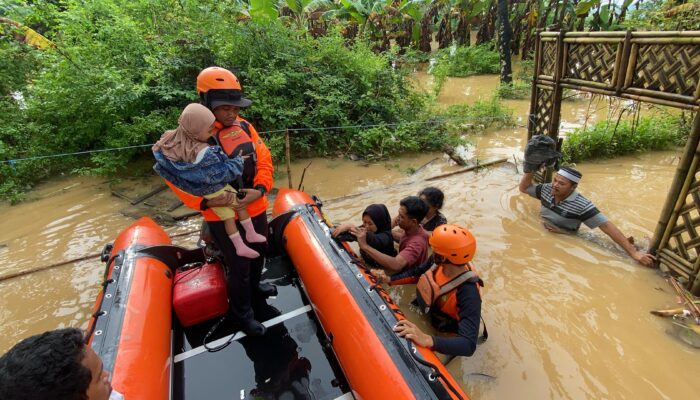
(563, 208)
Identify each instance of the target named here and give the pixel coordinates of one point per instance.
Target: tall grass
(602, 140)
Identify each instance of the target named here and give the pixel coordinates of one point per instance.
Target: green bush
(301, 84)
(664, 15)
(466, 61)
(525, 71)
(517, 90)
(483, 114)
(411, 58)
(521, 87)
(463, 61)
(602, 140)
(123, 70)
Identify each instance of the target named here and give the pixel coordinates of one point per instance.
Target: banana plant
(306, 14)
(264, 10)
(366, 18)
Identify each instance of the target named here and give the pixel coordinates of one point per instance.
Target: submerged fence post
(287, 155)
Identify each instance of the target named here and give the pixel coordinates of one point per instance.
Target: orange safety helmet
(218, 86)
(453, 242)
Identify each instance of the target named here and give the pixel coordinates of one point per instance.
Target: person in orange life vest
(220, 91)
(184, 158)
(448, 289)
(413, 239)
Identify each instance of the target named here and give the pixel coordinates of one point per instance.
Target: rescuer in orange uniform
(221, 92)
(448, 289)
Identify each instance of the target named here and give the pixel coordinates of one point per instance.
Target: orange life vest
(437, 291)
(236, 140)
(257, 169)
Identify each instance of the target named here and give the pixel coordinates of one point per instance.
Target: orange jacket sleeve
(193, 202)
(265, 168)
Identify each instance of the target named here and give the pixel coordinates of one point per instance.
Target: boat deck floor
(291, 361)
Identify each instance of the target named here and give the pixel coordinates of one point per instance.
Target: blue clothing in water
(468, 305)
(211, 174)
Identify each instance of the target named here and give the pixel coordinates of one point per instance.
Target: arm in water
(464, 343)
(616, 235)
(406, 276)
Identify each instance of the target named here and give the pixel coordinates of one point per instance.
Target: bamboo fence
(653, 67)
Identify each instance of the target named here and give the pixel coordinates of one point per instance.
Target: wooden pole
(287, 155)
(621, 63)
(432, 178)
(680, 202)
(556, 97)
(150, 194)
(532, 117)
(559, 69)
(303, 173)
(463, 170)
(678, 181)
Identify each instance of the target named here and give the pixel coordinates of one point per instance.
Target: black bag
(540, 150)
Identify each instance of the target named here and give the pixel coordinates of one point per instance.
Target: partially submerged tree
(505, 34)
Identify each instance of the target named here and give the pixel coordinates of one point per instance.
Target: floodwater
(568, 316)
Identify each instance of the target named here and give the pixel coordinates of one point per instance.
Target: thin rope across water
(325, 128)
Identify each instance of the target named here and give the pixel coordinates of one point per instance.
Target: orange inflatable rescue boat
(357, 316)
(329, 330)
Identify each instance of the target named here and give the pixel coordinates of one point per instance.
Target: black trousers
(243, 273)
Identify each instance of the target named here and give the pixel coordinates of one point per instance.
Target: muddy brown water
(568, 316)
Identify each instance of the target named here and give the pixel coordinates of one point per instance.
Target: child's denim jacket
(206, 177)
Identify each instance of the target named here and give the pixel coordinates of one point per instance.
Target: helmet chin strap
(204, 97)
(439, 259)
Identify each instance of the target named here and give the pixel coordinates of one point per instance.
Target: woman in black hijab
(377, 222)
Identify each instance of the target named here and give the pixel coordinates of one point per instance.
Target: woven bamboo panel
(549, 58)
(653, 67)
(683, 248)
(668, 68)
(593, 62)
(542, 117)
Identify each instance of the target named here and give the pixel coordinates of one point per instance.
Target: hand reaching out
(381, 276)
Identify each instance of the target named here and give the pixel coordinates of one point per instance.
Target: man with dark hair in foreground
(55, 365)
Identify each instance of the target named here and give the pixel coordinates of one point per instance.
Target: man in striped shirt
(564, 209)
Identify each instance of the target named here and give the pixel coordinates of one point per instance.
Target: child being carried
(185, 159)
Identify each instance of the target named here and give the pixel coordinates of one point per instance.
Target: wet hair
(415, 207)
(433, 196)
(46, 366)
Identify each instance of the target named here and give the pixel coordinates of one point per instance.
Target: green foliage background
(121, 71)
(464, 61)
(605, 140)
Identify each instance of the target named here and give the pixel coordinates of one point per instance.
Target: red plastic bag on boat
(199, 294)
